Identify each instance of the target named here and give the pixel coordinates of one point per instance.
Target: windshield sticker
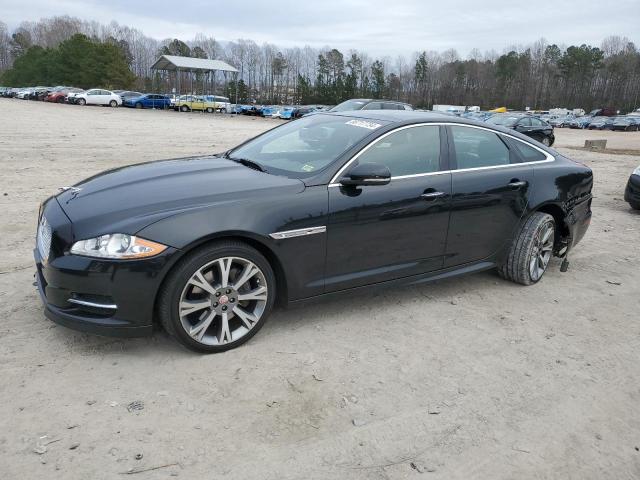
(364, 124)
(308, 168)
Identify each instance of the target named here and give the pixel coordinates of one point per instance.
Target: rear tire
(635, 205)
(530, 251)
(206, 264)
(113, 104)
(138, 105)
(545, 141)
(209, 110)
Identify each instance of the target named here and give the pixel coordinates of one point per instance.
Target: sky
(378, 27)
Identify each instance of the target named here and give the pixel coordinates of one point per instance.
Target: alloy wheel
(541, 251)
(223, 300)
(545, 141)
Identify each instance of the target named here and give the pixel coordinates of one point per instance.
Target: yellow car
(187, 103)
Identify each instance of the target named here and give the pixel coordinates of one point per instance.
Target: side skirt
(412, 280)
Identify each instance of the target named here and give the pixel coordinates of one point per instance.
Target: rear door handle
(432, 195)
(516, 184)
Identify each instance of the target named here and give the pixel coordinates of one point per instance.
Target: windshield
(305, 146)
(349, 105)
(506, 120)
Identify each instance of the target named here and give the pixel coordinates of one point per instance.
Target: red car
(59, 95)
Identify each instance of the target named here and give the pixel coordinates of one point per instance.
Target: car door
(490, 193)
(381, 232)
(104, 97)
(524, 126)
(92, 97)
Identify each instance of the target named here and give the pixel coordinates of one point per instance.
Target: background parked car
(626, 124)
(59, 94)
(126, 94)
(187, 103)
(580, 122)
(148, 100)
(526, 124)
(222, 104)
(97, 96)
(24, 93)
(561, 121)
(370, 104)
(601, 123)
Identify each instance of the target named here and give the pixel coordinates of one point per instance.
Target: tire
(113, 104)
(635, 205)
(60, 100)
(184, 108)
(206, 264)
(519, 266)
(82, 102)
(545, 141)
(138, 105)
(209, 110)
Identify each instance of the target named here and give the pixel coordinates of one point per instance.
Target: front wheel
(81, 101)
(184, 108)
(218, 297)
(209, 110)
(530, 251)
(138, 105)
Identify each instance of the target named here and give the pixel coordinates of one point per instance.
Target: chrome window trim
(549, 157)
(300, 232)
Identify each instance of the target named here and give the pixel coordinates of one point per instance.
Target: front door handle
(432, 195)
(516, 184)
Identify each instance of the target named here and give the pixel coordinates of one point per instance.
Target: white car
(23, 94)
(97, 96)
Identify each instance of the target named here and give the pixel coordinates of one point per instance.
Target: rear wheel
(138, 105)
(113, 103)
(60, 100)
(530, 251)
(209, 110)
(545, 141)
(218, 297)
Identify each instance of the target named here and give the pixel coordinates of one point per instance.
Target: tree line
(66, 50)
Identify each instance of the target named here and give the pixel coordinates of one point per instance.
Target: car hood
(127, 199)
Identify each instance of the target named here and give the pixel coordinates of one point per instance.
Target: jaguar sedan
(328, 204)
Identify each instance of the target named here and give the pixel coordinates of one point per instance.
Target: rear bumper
(578, 221)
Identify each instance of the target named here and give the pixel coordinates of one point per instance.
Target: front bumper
(632, 192)
(99, 296)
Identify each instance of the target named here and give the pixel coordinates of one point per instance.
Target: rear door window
(477, 148)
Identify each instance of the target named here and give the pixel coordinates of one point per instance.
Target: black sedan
(632, 192)
(328, 204)
(526, 124)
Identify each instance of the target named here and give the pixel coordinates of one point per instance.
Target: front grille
(43, 239)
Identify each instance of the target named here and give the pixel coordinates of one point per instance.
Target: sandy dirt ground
(469, 378)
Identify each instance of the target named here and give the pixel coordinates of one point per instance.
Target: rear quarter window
(529, 153)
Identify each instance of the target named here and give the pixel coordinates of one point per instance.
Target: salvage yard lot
(468, 378)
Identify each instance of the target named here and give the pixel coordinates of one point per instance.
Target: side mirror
(367, 174)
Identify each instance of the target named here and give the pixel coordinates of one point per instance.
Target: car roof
(408, 117)
(396, 116)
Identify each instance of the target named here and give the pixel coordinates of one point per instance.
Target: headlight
(636, 171)
(117, 245)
